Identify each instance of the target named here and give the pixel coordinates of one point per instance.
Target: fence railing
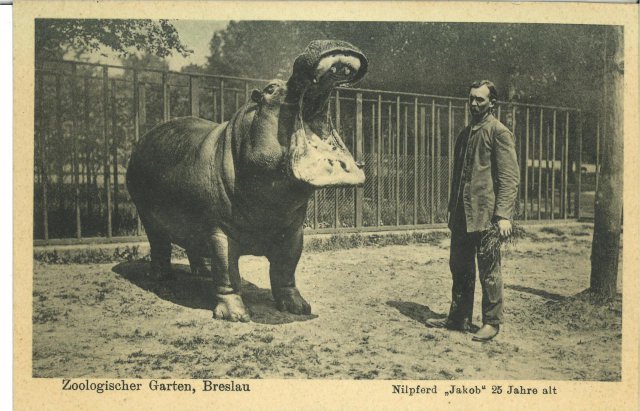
(89, 116)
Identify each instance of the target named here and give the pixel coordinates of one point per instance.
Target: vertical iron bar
(336, 221)
(533, 168)
(43, 157)
(358, 154)
(519, 151)
(526, 167)
(433, 179)
(105, 136)
(389, 156)
(450, 121)
(499, 113)
(540, 135)
(236, 97)
(466, 114)
(378, 163)
(415, 161)
(166, 97)
(553, 166)
(87, 149)
(74, 145)
(405, 160)
(424, 178)
(114, 150)
(438, 149)
(547, 173)
(215, 104)
(597, 152)
(397, 161)
(194, 96)
(59, 133)
(578, 160)
(566, 166)
(221, 100)
(246, 92)
(136, 129)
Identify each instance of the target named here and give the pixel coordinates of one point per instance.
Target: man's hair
(493, 93)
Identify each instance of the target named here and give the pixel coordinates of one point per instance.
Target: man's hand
(504, 226)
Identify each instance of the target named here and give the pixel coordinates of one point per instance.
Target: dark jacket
(490, 185)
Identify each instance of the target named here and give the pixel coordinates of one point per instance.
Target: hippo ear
(256, 95)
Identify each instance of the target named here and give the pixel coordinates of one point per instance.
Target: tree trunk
(608, 206)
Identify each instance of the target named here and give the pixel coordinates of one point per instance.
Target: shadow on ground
(417, 312)
(190, 291)
(535, 291)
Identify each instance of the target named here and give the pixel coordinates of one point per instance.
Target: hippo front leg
(282, 272)
(226, 279)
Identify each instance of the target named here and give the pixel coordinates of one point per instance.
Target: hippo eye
(270, 88)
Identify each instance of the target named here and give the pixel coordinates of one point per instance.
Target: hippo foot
(289, 299)
(231, 308)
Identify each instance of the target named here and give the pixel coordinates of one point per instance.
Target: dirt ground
(369, 305)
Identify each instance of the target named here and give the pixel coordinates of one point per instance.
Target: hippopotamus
(241, 187)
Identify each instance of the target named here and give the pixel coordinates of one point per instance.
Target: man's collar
(484, 121)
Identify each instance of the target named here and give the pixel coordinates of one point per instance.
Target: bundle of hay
(493, 241)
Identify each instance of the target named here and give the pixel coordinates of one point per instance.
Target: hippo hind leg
(160, 255)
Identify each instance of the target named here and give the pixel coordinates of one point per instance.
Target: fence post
(114, 149)
(565, 163)
(526, 166)
(221, 100)
(166, 95)
(450, 122)
(553, 166)
(431, 156)
(87, 148)
(438, 150)
(194, 96)
(378, 163)
(358, 153)
(397, 191)
(336, 191)
(60, 137)
(540, 135)
(74, 146)
(43, 156)
(598, 124)
(579, 120)
(415, 161)
(137, 110)
(105, 136)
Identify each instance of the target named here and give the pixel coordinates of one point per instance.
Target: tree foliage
(55, 37)
(531, 63)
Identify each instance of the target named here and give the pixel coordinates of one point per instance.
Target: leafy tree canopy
(535, 63)
(55, 37)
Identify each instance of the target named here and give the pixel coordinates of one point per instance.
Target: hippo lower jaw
(324, 160)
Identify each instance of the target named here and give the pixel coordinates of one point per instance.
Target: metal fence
(89, 116)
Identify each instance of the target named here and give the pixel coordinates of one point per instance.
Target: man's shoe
(486, 333)
(466, 326)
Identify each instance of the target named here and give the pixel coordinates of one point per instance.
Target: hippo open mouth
(317, 155)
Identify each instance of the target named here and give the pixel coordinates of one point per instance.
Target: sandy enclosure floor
(369, 306)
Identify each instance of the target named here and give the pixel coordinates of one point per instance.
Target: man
(483, 192)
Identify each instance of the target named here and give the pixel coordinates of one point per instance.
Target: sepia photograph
(430, 204)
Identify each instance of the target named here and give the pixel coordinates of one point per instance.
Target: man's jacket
(488, 184)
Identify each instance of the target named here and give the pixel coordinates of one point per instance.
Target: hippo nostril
(333, 69)
(347, 71)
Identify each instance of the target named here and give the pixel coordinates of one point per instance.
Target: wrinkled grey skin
(223, 190)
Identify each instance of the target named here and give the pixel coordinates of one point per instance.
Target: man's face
(479, 101)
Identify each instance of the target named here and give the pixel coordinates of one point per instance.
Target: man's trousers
(464, 249)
